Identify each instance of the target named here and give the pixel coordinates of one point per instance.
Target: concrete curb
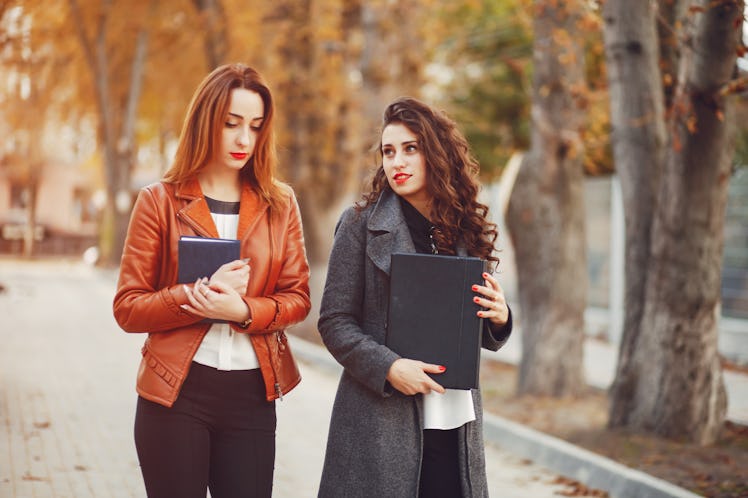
(555, 454)
(577, 463)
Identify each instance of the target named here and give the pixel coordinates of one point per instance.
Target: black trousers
(220, 433)
(440, 472)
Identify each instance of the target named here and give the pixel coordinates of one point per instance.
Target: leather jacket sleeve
(144, 302)
(288, 302)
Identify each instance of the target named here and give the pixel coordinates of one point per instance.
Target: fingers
(236, 264)
(197, 297)
(493, 283)
(431, 368)
(491, 289)
(234, 273)
(409, 377)
(429, 383)
(492, 299)
(220, 287)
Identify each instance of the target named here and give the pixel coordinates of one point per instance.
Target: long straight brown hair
(203, 127)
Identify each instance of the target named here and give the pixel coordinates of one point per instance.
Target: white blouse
(222, 348)
(449, 410)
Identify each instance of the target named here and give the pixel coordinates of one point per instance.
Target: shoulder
(285, 191)
(354, 216)
(158, 189)
(284, 196)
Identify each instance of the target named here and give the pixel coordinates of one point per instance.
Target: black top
(420, 228)
(222, 207)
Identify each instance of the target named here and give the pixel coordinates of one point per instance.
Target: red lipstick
(239, 155)
(401, 178)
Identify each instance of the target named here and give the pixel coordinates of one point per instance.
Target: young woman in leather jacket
(209, 374)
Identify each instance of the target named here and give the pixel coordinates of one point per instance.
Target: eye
(256, 127)
(388, 151)
(411, 148)
(230, 124)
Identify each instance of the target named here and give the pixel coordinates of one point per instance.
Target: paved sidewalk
(67, 399)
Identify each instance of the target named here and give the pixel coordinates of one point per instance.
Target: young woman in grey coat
(395, 432)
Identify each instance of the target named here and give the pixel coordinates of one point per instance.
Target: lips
(239, 155)
(401, 178)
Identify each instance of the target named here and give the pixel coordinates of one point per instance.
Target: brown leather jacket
(148, 297)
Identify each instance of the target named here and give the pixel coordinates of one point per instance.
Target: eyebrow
(404, 143)
(239, 116)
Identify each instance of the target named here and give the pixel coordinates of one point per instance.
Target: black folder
(432, 316)
(201, 256)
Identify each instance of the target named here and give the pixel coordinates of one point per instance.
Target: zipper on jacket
(275, 373)
(197, 228)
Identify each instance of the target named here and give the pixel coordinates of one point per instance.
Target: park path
(67, 398)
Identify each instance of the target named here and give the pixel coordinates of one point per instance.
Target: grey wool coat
(374, 445)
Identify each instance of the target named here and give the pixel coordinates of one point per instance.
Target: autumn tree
(213, 22)
(35, 64)
(485, 56)
(334, 65)
(546, 210)
(114, 38)
(672, 148)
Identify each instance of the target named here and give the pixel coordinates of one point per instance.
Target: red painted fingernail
(476, 299)
(442, 368)
(475, 287)
(485, 275)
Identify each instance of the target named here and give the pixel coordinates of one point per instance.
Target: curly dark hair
(452, 179)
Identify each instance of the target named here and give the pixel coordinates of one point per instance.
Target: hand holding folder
(432, 316)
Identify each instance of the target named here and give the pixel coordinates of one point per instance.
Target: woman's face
(404, 165)
(243, 122)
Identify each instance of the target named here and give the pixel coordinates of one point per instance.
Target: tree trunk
(213, 20)
(638, 137)
(297, 52)
(671, 382)
(116, 125)
(669, 19)
(29, 232)
(546, 213)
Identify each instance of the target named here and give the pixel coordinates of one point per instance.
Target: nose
(243, 135)
(398, 160)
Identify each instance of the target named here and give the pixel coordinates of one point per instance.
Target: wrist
(246, 318)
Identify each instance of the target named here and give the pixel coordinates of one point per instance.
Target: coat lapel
(197, 214)
(251, 209)
(389, 231)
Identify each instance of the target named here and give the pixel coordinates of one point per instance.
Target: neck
(222, 185)
(423, 207)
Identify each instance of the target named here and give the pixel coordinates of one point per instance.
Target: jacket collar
(197, 214)
(389, 231)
